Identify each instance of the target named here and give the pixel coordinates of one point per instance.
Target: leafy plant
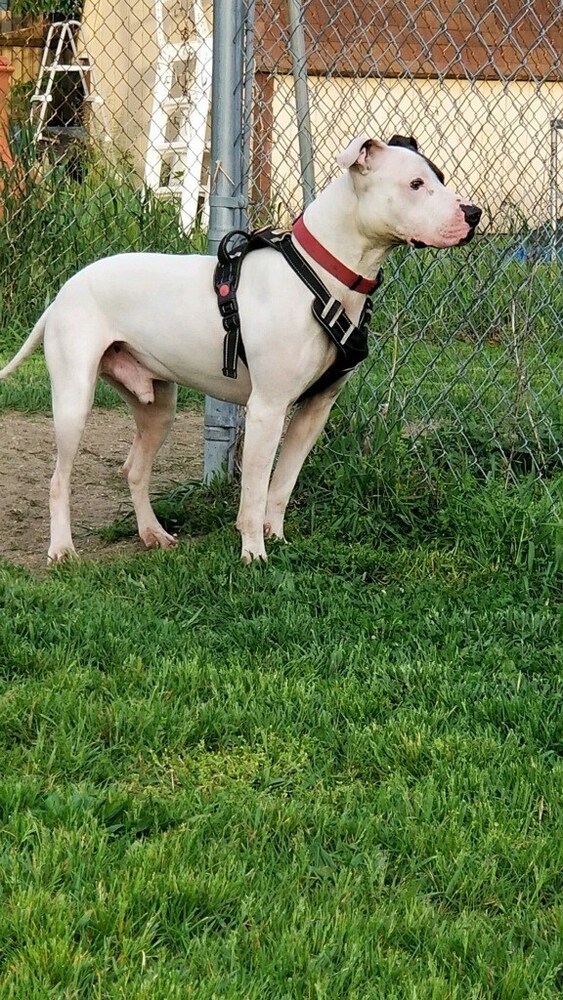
(71, 9)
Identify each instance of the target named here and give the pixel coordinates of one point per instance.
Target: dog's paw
(248, 557)
(61, 553)
(274, 535)
(158, 538)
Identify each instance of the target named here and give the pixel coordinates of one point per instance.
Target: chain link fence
(109, 124)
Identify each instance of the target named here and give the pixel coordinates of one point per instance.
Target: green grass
(336, 776)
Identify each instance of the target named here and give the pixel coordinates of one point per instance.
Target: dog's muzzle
(471, 214)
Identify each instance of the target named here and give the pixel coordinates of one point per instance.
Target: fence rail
(466, 363)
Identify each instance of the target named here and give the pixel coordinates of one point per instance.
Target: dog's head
(402, 197)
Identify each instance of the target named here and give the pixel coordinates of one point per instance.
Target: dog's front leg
(304, 428)
(264, 424)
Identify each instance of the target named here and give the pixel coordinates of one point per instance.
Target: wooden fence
(21, 42)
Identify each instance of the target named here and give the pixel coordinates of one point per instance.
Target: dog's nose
(472, 214)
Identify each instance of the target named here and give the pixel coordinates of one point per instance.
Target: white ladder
(177, 131)
(67, 32)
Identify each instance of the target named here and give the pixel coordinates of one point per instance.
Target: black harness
(351, 340)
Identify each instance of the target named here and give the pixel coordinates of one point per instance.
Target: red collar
(356, 282)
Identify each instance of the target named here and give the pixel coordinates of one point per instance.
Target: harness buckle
(228, 307)
(225, 255)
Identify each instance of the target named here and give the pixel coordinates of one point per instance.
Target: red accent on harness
(224, 290)
(356, 282)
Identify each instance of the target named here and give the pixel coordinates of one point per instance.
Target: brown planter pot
(5, 73)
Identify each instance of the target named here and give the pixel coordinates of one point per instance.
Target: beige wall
(26, 62)
(120, 38)
(492, 140)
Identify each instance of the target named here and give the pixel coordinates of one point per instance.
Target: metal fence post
(556, 127)
(300, 83)
(226, 201)
(249, 18)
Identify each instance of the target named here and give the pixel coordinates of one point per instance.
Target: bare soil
(99, 492)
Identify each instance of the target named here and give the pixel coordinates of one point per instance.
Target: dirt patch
(99, 492)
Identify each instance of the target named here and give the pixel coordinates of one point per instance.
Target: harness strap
(225, 280)
(350, 340)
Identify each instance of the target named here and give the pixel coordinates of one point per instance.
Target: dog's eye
(417, 183)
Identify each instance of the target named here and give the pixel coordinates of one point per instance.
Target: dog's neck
(332, 218)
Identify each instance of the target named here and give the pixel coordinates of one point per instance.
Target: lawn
(337, 776)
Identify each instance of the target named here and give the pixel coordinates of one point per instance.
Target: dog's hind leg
(153, 423)
(73, 383)
(304, 428)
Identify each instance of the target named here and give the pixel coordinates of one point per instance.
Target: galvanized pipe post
(248, 98)
(556, 127)
(300, 84)
(226, 199)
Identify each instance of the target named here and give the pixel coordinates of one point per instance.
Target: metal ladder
(177, 132)
(51, 65)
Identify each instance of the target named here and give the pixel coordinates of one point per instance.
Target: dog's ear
(357, 153)
(408, 141)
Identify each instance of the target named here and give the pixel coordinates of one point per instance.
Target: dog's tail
(34, 339)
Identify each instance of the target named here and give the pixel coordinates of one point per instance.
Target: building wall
(491, 139)
(460, 39)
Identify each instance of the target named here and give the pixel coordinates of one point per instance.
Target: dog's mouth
(420, 245)
(468, 238)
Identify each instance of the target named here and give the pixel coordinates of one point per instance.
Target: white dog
(147, 321)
